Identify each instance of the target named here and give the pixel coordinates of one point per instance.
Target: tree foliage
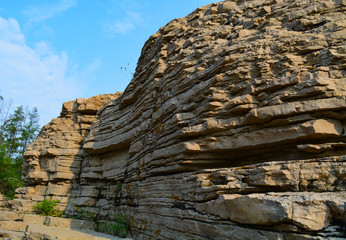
(17, 131)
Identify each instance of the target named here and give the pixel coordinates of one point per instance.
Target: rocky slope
(233, 127)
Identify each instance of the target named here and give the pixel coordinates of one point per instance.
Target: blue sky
(56, 51)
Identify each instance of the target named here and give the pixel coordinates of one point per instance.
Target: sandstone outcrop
(53, 160)
(233, 127)
(3, 201)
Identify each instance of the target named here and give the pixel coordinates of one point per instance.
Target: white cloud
(126, 24)
(34, 76)
(10, 31)
(37, 14)
(123, 16)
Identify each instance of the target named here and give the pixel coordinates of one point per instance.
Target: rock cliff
(233, 127)
(53, 161)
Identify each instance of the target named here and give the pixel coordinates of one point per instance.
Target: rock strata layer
(53, 161)
(233, 127)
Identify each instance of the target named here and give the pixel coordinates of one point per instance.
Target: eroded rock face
(3, 201)
(233, 127)
(53, 160)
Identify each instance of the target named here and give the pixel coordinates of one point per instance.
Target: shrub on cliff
(47, 208)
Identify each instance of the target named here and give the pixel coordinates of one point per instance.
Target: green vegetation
(117, 193)
(83, 213)
(119, 227)
(17, 131)
(47, 208)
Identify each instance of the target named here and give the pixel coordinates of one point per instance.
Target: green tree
(17, 131)
(4, 111)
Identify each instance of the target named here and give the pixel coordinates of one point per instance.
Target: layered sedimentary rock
(53, 161)
(3, 201)
(233, 127)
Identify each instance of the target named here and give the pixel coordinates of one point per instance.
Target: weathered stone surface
(12, 235)
(12, 226)
(34, 219)
(307, 210)
(68, 223)
(9, 216)
(233, 127)
(3, 201)
(53, 160)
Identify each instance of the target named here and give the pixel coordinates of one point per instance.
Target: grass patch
(47, 208)
(119, 227)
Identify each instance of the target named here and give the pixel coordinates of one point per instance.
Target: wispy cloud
(37, 14)
(10, 31)
(123, 16)
(126, 24)
(34, 76)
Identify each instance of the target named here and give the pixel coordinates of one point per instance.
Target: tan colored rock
(9, 216)
(54, 158)
(11, 235)
(12, 226)
(3, 201)
(233, 125)
(69, 223)
(248, 209)
(34, 219)
(309, 211)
